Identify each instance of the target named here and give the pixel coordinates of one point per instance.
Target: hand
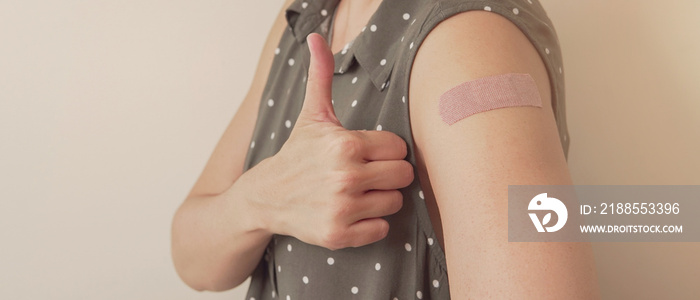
(329, 186)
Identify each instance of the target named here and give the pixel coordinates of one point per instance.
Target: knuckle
(347, 145)
(400, 145)
(333, 238)
(395, 201)
(406, 171)
(341, 210)
(348, 179)
(382, 229)
(378, 231)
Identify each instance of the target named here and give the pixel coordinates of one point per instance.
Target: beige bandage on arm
(488, 93)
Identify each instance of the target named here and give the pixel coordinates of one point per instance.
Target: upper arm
(471, 163)
(226, 162)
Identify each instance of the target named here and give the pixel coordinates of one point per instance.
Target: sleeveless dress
(370, 92)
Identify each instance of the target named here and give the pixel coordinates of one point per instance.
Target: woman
(355, 182)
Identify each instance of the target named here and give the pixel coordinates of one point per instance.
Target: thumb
(317, 101)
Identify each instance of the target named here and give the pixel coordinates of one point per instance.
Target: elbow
(202, 285)
(197, 286)
(207, 286)
(200, 278)
(187, 263)
(209, 283)
(199, 275)
(198, 262)
(222, 285)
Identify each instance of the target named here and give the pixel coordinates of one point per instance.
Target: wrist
(249, 193)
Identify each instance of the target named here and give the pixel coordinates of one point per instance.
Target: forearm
(217, 240)
(327, 186)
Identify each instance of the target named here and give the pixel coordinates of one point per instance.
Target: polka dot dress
(370, 92)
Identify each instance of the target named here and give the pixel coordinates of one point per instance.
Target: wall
(634, 118)
(109, 110)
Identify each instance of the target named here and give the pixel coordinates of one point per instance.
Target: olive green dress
(370, 92)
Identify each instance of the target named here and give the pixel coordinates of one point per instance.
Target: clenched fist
(329, 186)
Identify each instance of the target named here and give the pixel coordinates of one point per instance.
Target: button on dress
(370, 92)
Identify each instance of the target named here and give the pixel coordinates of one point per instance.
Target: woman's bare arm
(326, 186)
(472, 162)
(207, 229)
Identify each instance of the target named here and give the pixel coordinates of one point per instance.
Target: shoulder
(469, 45)
(483, 38)
(462, 40)
(472, 45)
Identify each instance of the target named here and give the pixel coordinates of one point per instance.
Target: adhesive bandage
(488, 93)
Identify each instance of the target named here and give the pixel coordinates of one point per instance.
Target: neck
(351, 16)
(360, 7)
(357, 10)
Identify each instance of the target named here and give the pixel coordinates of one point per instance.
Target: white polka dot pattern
(372, 77)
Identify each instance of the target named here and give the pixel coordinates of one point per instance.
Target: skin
(214, 246)
(517, 145)
(220, 231)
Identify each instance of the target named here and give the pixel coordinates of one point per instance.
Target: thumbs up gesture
(329, 186)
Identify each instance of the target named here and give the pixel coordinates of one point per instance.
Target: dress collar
(374, 49)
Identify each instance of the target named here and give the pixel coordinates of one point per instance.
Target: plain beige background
(109, 110)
